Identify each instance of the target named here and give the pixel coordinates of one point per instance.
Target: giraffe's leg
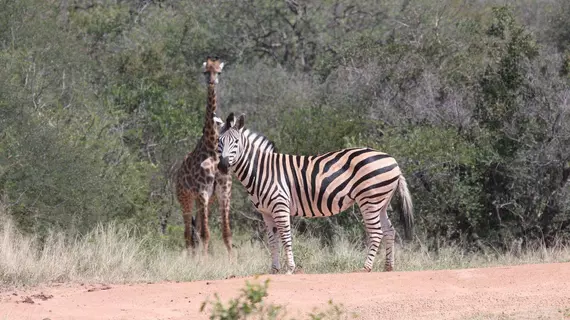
(371, 215)
(273, 242)
(224, 193)
(282, 218)
(187, 203)
(202, 206)
(389, 237)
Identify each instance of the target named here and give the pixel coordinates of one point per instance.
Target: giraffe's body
(197, 178)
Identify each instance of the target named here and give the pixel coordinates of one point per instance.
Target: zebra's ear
(241, 121)
(230, 121)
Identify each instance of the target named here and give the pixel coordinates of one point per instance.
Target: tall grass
(112, 254)
(120, 254)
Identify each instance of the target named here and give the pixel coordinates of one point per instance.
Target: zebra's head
(230, 142)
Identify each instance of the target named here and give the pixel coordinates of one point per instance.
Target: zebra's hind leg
(372, 222)
(389, 237)
(273, 240)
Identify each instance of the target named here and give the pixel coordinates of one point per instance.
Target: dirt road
(515, 292)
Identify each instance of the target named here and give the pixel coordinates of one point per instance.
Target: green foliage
(316, 130)
(58, 181)
(333, 311)
(101, 21)
(248, 304)
(503, 82)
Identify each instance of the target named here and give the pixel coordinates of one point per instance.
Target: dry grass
(418, 257)
(111, 254)
(119, 254)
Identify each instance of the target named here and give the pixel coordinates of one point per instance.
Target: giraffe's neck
(210, 131)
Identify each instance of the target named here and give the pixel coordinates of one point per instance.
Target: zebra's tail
(407, 208)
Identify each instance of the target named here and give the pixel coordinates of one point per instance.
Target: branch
(565, 175)
(248, 217)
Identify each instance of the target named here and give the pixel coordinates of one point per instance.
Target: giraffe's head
(212, 68)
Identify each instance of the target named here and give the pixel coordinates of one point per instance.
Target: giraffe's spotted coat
(198, 180)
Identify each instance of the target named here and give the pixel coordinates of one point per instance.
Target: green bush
(250, 304)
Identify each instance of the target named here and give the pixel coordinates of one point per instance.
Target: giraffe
(197, 177)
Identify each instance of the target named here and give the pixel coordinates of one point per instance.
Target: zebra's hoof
(274, 270)
(365, 269)
(388, 268)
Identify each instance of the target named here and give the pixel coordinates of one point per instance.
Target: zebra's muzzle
(223, 165)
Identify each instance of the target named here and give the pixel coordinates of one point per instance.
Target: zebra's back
(328, 184)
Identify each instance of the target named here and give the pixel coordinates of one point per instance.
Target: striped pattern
(281, 185)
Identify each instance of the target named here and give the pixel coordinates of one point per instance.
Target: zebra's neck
(258, 150)
(259, 141)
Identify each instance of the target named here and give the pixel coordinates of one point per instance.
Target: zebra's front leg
(282, 218)
(273, 242)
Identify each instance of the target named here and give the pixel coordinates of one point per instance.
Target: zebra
(282, 185)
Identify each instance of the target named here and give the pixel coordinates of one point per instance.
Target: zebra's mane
(260, 141)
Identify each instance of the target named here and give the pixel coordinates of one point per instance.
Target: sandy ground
(539, 291)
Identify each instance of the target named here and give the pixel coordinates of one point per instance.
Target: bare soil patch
(539, 291)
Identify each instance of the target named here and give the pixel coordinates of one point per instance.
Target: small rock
(28, 300)
(42, 296)
(97, 289)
